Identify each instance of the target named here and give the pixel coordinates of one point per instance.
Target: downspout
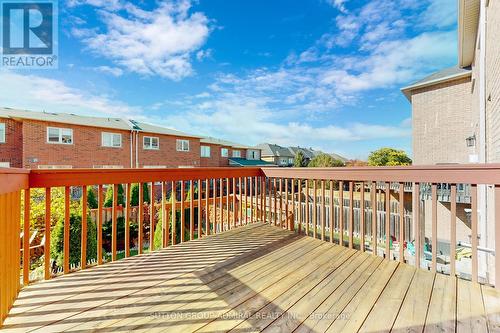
(131, 149)
(137, 149)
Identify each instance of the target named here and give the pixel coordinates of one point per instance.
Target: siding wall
(493, 81)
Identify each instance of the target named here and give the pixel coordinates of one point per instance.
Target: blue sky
(318, 73)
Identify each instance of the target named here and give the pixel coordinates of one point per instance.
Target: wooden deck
(256, 278)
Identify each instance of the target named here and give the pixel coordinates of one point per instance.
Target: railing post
(497, 236)
(152, 218)
(200, 224)
(114, 225)
(140, 218)
(83, 254)
(26, 237)
(66, 230)
(191, 210)
(127, 220)
(99, 224)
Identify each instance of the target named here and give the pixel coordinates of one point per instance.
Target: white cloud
(440, 13)
(204, 54)
(339, 4)
(38, 93)
(115, 71)
(156, 42)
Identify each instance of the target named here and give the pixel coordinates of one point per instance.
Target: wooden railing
(347, 206)
(12, 182)
(392, 222)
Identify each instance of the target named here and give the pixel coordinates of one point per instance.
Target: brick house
(45, 140)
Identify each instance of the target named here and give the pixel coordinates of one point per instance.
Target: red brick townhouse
(56, 140)
(216, 152)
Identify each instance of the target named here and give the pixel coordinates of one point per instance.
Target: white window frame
(207, 148)
(113, 135)
(53, 166)
(4, 164)
(150, 146)
(237, 153)
(182, 145)
(3, 133)
(224, 152)
(61, 130)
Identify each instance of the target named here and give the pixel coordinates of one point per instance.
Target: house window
(108, 166)
(253, 155)
(182, 145)
(62, 136)
(151, 142)
(4, 164)
(224, 152)
(236, 153)
(111, 140)
(2, 133)
(55, 167)
(205, 151)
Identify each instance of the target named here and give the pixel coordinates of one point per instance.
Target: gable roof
(149, 128)
(269, 149)
(220, 142)
(444, 75)
(66, 118)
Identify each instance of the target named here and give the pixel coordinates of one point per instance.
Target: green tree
(134, 200)
(299, 161)
(388, 157)
(325, 161)
(91, 198)
(108, 200)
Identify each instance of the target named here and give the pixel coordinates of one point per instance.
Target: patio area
(255, 278)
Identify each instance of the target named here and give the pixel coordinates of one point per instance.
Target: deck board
(252, 279)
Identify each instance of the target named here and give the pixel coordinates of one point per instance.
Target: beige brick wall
(442, 120)
(493, 82)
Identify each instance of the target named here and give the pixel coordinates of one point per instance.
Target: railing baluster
(164, 215)
(416, 209)
(200, 224)
(373, 193)
(332, 213)
(100, 221)
(173, 197)
(341, 213)
(152, 218)
(401, 222)
(214, 205)
(293, 202)
(362, 218)
(83, 252)
(497, 236)
(315, 207)
(207, 207)
(287, 222)
(275, 202)
(453, 230)
(233, 219)
(246, 200)
(26, 237)
(250, 185)
(191, 210)
(66, 230)
(240, 192)
(308, 212)
(114, 222)
(351, 214)
(323, 210)
(141, 219)
(227, 205)
(257, 200)
(434, 227)
(299, 194)
(474, 239)
(183, 218)
(388, 221)
(127, 219)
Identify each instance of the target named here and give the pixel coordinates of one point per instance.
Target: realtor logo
(29, 34)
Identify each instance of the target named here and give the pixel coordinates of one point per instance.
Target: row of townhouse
(285, 156)
(43, 140)
(456, 119)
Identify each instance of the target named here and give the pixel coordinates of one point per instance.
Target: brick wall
(168, 155)
(85, 152)
(12, 150)
(442, 120)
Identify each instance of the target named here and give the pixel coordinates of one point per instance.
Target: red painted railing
(380, 210)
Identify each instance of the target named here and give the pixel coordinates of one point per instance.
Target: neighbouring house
(285, 156)
(456, 119)
(226, 153)
(47, 140)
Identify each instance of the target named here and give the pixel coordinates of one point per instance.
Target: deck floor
(252, 279)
